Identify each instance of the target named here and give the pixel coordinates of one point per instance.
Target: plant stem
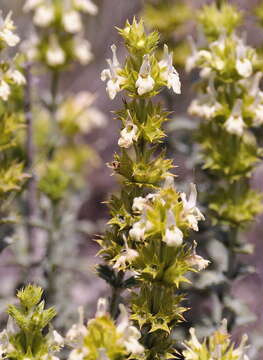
(51, 240)
(54, 88)
(32, 201)
(219, 3)
(115, 295)
(51, 266)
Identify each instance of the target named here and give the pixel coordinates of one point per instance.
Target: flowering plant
(229, 105)
(151, 219)
(12, 172)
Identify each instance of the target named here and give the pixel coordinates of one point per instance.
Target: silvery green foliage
(228, 104)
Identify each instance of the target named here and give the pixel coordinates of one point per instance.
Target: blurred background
(99, 183)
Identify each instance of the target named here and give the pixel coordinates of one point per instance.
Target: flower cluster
(228, 104)
(10, 76)
(78, 115)
(228, 68)
(11, 81)
(59, 38)
(218, 346)
(147, 76)
(230, 100)
(179, 215)
(151, 218)
(102, 338)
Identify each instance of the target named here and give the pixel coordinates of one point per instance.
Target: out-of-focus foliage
(58, 39)
(170, 18)
(229, 106)
(12, 173)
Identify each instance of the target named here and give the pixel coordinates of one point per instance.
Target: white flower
(48, 357)
(169, 182)
(86, 6)
(102, 307)
(205, 72)
(198, 261)
(4, 90)
(137, 231)
(44, 15)
(31, 5)
(78, 354)
(130, 335)
(54, 338)
(168, 72)
(254, 85)
(128, 135)
(55, 55)
(111, 74)
(190, 211)
(145, 82)
(206, 105)
(16, 76)
(5, 345)
(77, 332)
(6, 31)
(72, 22)
(173, 237)
(95, 118)
(29, 47)
(127, 256)
(4, 341)
(139, 203)
(235, 123)
(194, 341)
(82, 51)
(244, 66)
(202, 55)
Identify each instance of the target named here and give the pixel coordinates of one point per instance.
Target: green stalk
(115, 299)
(51, 240)
(51, 263)
(219, 3)
(32, 200)
(54, 91)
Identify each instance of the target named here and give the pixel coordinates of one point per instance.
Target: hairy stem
(54, 90)
(51, 240)
(32, 200)
(219, 3)
(116, 295)
(51, 268)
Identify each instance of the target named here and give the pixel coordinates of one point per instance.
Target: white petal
(173, 237)
(144, 85)
(244, 67)
(72, 22)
